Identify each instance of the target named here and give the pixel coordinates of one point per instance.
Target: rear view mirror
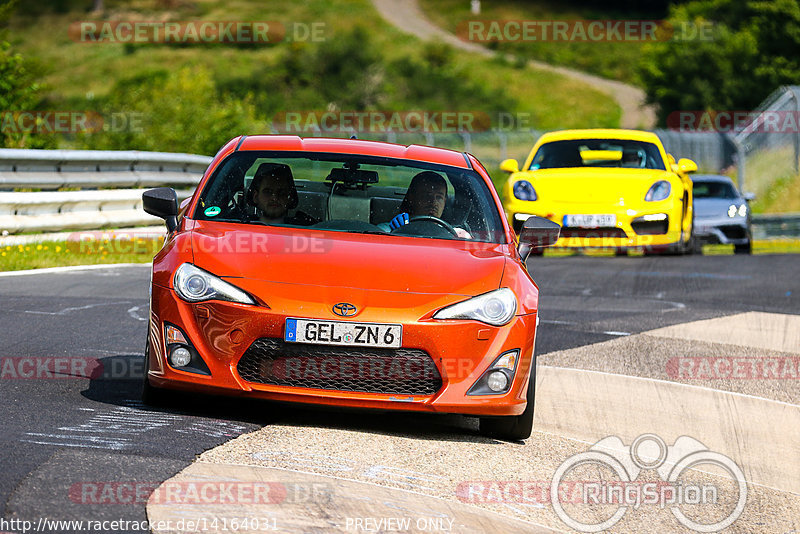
(749, 197)
(162, 202)
(537, 232)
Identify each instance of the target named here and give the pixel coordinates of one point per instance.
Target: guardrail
(99, 174)
(99, 205)
(92, 169)
(772, 226)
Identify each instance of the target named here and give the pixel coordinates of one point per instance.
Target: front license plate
(590, 221)
(343, 333)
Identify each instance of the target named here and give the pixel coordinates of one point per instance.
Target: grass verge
(60, 254)
(65, 253)
(76, 75)
(614, 60)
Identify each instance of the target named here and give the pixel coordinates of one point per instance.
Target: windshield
(714, 190)
(623, 153)
(349, 193)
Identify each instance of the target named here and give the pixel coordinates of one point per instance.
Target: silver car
(721, 213)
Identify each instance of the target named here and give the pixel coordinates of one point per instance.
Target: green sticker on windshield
(212, 211)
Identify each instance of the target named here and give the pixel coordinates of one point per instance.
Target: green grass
(60, 254)
(75, 74)
(63, 253)
(614, 60)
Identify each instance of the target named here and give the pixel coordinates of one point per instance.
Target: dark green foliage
(755, 47)
(170, 112)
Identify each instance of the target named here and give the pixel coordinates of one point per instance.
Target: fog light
(497, 381)
(180, 357)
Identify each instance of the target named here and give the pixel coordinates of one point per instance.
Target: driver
(425, 197)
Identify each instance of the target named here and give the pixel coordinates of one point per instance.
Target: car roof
(293, 143)
(601, 133)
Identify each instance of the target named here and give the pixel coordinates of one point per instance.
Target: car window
(351, 194)
(714, 190)
(623, 153)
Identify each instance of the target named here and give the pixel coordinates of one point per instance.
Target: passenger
(426, 196)
(273, 193)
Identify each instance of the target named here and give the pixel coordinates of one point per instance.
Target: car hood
(593, 185)
(339, 259)
(714, 207)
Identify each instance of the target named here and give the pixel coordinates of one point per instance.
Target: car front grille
(358, 369)
(603, 232)
(733, 231)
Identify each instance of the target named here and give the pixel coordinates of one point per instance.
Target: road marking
(132, 312)
(105, 430)
(674, 274)
(70, 440)
(65, 311)
(615, 333)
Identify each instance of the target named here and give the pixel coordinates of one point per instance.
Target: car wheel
(621, 251)
(153, 396)
(746, 248)
(514, 427)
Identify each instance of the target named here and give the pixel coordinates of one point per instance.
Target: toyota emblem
(345, 309)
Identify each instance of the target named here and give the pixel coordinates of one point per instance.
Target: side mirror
(162, 202)
(671, 165)
(537, 232)
(749, 197)
(509, 165)
(686, 166)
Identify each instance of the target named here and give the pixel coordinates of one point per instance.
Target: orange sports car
(346, 273)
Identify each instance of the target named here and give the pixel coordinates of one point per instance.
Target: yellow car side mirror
(509, 165)
(686, 165)
(671, 165)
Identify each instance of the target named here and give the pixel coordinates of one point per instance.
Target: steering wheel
(437, 220)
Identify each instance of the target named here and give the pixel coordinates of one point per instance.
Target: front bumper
(722, 230)
(629, 231)
(222, 332)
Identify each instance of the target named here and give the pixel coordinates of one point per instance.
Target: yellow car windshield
(623, 153)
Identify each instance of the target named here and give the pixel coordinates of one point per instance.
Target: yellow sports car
(607, 188)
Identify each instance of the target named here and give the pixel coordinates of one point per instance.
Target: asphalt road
(63, 435)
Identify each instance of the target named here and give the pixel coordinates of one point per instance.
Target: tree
(754, 47)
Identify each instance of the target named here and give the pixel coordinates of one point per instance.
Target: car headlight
(196, 285)
(495, 308)
(733, 210)
(524, 190)
(658, 191)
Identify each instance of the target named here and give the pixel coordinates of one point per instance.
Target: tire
(621, 251)
(153, 396)
(697, 247)
(746, 248)
(513, 427)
